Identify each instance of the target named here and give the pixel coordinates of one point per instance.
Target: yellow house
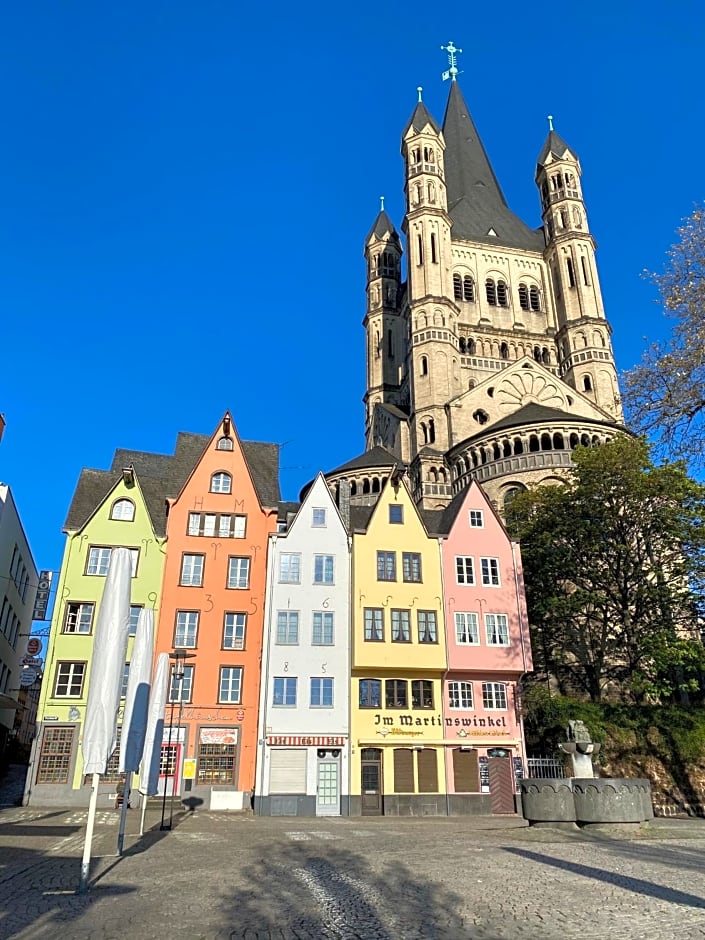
(398, 660)
(109, 509)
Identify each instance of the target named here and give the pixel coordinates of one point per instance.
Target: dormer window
(123, 510)
(224, 443)
(221, 483)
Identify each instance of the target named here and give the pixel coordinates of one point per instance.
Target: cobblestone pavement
(231, 877)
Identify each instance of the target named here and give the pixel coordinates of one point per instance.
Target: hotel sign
(299, 740)
(41, 601)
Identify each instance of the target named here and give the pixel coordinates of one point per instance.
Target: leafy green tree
(665, 394)
(614, 560)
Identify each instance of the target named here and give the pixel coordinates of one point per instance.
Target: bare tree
(665, 393)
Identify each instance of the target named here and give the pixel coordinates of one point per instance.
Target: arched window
(577, 217)
(431, 431)
(587, 383)
(571, 272)
(545, 356)
(442, 475)
(534, 446)
(585, 440)
(457, 287)
(472, 347)
(353, 489)
(491, 291)
(365, 486)
(431, 193)
(534, 299)
(523, 297)
(496, 453)
(504, 351)
(507, 449)
(424, 431)
(574, 441)
(123, 510)
(502, 294)
(424, 365)
(375, 484)
(419, 244)
(434, 256)
(462, 344)
(433, 475)
(546, 443)
(221, 482)
(509, 494)
(537, 353)
(518, 446)
(468, 289)
(558, 441)
(481, 416)
(564, 218)
(224, 443)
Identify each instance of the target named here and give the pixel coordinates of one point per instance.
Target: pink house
(488, 652)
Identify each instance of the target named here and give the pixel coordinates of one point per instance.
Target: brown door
(501, 772)
(371, 782)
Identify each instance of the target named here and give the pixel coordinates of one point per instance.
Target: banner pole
(86, 860)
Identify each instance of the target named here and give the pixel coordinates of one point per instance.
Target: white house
(302, 767)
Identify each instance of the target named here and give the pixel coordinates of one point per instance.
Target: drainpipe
(266, 639)
(523, 645)
(444, 678)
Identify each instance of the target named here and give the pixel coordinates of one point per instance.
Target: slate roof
(161, 477)
(376, 457)
(536, 414)
(420, 118)
(476, 203)
(555, 145)
(382, 226)
(360, 517)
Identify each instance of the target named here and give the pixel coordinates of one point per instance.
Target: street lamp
(178, 671)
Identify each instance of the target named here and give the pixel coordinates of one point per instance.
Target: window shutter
(466, 771)
(287, 771)
(428, 771)
(403, 770)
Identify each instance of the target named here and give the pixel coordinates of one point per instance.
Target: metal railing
(544, 767)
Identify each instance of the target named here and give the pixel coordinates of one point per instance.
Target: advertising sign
(41, 601)
(27, 677)
(190, 768)
(34, 646)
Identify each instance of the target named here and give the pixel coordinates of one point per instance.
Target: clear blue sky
(186, 188)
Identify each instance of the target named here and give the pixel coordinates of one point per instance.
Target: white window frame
(222, 482)
(402, 627)
(196, 564)
(323, 683)
(324, 565)
(476, 518)
(103, 560)
(287, 683)
(238, 527)
(375, 622)
(497, 629)
(119, 514)
(494, 696)
(431, 620)
(238, 572)
(86, 609)
(490, 572)
(318, 517)
(323, 626)
(287, 628)
(230, 685)
(186, 628)
(135, 610)
(459, 696)
(467, 624)
(75, 671)
(238, 629)
(290, 568)
(464, 569)
(181, 690)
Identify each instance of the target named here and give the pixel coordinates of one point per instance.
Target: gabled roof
(555, 145)
(476, 203)
(419, 119)
(381, 227)
(376, 457)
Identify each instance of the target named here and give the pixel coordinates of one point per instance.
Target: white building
(302, 768)
(18, 587)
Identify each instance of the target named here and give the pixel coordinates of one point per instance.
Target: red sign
(240, 715)
(34, 646)
(298, 740)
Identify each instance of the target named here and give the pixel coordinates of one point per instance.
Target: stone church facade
(490, 358)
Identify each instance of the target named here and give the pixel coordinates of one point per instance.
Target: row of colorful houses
(345, 655)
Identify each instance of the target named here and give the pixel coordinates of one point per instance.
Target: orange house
(211, 618)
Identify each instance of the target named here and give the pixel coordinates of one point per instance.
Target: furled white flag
(149, 769)
(134, 721)
(107, 664)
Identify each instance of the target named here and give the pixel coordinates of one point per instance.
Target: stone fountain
(582, 799)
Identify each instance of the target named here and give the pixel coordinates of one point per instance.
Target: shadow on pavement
(637, 885)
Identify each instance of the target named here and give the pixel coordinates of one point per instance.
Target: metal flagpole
(144, 810)
(86, 860)
(123, 814)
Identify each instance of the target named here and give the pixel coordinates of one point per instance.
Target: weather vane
(452, 72)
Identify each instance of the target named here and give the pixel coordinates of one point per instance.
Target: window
(421, 693)
(288, 627)
(476, 519)
(401, 626)
(98, 561)
(284, 691)
(395, 693)
(181, 689)
(396, 514)
(194, 523)
(186, 628)
(55, 756)
(78, 618)
(587, 383)
(221, 483)
(238, 572)
(490, 571)
(230, 684)
(69, 680)
(323, 569)
(192, 570)
(134, 617)
(460, 695)
(212, 524)
(125, 680)
(403, 770)
(468, 289)
(411, 566)
(467, 629)
(535, 299)
(321, 693)
(319, 518)
(290, 569)
(428, 632)
(123, 510)
(497, 629)
(523, 297)
(234, 626)
(386, 566)
(464, 569)
(323, 628)
(457, 287)
(494, 695)
(571, 272)
(491, 292)
(370, 693)
(374, 624)
(224, 443)
(216, 756)
(502, 294)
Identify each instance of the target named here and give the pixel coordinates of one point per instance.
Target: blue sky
(186, 188)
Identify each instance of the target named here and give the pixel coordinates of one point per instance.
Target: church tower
(492, 361)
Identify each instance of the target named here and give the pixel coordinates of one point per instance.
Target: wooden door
(501, 771)
(371, 782)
